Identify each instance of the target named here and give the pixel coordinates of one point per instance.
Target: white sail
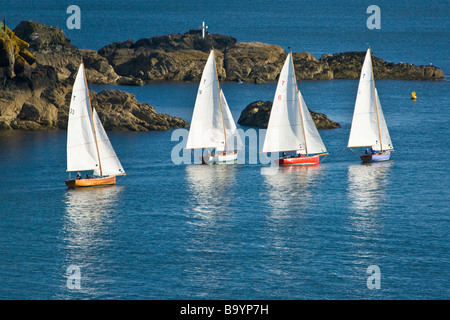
(385, 137)
(291, 127)
(368, 118)
(86, 137)
(234, 141)
(314, 143)
(206, 129)
(81, 147)
(285, 129)
(109, 161)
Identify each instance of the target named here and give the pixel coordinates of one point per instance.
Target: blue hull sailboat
(369, 127)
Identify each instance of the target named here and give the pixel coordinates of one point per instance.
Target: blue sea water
(169, 231)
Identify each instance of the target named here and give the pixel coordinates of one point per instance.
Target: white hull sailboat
(212, 127)
(291, 127)
(88, 145)
(369, 127)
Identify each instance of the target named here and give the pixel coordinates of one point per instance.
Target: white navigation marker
(203, 29)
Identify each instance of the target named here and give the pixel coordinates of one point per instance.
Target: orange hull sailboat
(91, 182)
(88, 145)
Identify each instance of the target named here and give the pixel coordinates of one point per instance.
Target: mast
(376, 104)
(220, 101)
(298, 101)
(92, 119)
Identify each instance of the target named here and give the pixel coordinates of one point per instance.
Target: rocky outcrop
(121, 111)
(307, 67)
(36, 89)
(51, 47)
(42, 108)
(348, 66)
(181, 57)
(257, 114)
(253, 62)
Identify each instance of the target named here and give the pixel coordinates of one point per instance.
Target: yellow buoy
(413, 96)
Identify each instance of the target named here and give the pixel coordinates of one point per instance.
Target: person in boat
(78, 176)
(283, 154)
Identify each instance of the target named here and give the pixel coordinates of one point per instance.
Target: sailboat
(369, 127)
(88, 145)
(291, 127)
(212, 126)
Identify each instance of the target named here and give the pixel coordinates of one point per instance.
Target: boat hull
(225, 158)
(377, 157)
(94, 182)
(299, 161)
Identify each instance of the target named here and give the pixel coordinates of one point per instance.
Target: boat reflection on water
(366, 190)
(209, 187)
(288, 187)
(88, 220)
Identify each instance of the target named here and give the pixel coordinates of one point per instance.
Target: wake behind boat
(212, 126)
(291, 127)
(88, 145)
(369, 127)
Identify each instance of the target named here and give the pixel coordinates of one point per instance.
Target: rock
(37, 96)
(51, 47)
(155, 65)
(15, 59)
(120, 110)
(181, 57)
(48, 109)
(130, 81)
(257, 114)
(254, 62)
(98, 70)
(348, 66)
(307, 67)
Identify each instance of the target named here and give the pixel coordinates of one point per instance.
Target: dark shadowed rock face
(257, 114)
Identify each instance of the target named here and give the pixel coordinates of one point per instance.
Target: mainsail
(88, 146)
(368, 124)
(212, 124)
(81, 146)
(291, 127)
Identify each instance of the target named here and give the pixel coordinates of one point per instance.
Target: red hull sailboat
(291, 127)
